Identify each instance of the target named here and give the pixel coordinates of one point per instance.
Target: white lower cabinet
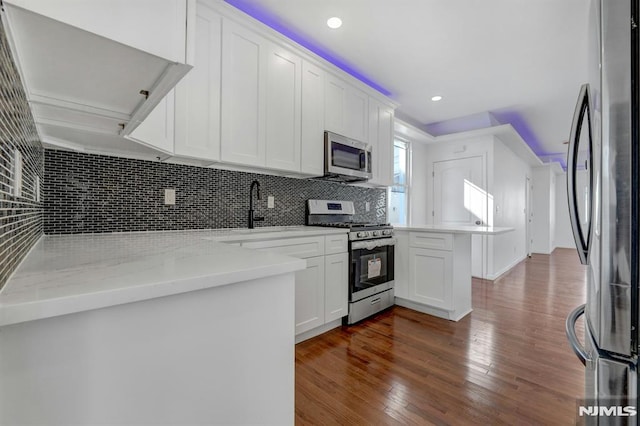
(310, 295)
(430, 276)
(433, 273)
(336, 296)
(322, 289)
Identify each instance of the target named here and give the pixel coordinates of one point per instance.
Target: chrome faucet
(252, 218)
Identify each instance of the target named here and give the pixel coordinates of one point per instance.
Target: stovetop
(355, 225)
(339, 214)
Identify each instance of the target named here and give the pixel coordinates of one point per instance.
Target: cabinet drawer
(335, 243)
(296, 247)
(431, 240)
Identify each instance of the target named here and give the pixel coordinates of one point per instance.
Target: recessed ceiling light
(334, 22)
(436, 98)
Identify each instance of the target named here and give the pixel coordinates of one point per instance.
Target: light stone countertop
(74, 273)
(476, 230)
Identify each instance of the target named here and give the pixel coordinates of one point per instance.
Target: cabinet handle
(374, 301)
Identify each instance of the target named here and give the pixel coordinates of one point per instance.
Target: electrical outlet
(367, 206)
(271, 202)
(169, 197)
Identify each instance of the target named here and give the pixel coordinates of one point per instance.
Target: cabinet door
(283, 111)
(312, 131)
(356, 114)
(381, 141)
(243, 96)
(430, 277)
(155, 26)
(335, 98)
(401, 269)
(336, 296)
(310, 295)
(157, 129)
(197, 128)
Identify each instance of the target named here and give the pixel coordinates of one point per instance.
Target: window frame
(407, 184)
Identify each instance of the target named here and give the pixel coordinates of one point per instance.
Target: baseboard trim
(318, 330)
(430, 310)
(493, 277)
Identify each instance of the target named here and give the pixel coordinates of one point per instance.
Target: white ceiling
(523, 60)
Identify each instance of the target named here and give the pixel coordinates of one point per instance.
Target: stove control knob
(376, 233)
(362, 234)
(386, 232)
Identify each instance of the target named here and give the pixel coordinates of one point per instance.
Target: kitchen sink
(265, 229)
(225, 234)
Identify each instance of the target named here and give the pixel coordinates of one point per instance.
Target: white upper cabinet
(197, 119)
(381, 141)
(153, 26)
(283, 110)
(312, 149)
(335, 100)
(357, 113)
(243, 96)
(97, 66)
(346, 109)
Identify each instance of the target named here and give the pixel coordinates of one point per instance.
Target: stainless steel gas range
(371, 257)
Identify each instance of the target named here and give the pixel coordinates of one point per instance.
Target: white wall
(509, 197)
(505, 177)
(450, 150)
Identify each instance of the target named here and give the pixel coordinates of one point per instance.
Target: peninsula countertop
(73, 273)
(476, 230)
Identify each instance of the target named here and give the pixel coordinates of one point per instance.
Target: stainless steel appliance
(346, 160)
(371, 257)
(606, 223)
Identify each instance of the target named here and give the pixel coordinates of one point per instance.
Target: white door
(460, 199)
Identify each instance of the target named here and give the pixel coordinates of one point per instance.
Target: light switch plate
(367, 206)
(169, 197)
(270, 202)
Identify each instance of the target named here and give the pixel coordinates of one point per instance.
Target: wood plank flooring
(508, 362)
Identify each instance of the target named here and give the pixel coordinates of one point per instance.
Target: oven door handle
(371, 244)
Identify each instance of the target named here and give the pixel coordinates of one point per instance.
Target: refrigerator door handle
(582, 109)
(570, 328)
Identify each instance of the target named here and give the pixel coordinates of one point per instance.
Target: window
(399, 193)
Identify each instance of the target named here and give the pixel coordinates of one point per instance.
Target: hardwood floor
(508, 362)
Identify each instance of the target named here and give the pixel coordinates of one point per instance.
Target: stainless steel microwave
(346, 160)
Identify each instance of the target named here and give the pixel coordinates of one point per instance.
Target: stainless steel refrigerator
(605, 146)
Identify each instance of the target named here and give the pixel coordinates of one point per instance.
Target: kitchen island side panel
(222, 355)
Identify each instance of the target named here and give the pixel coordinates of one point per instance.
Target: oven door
(372, 265)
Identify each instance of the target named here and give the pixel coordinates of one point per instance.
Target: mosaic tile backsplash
(86, 193)
(21, 210)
